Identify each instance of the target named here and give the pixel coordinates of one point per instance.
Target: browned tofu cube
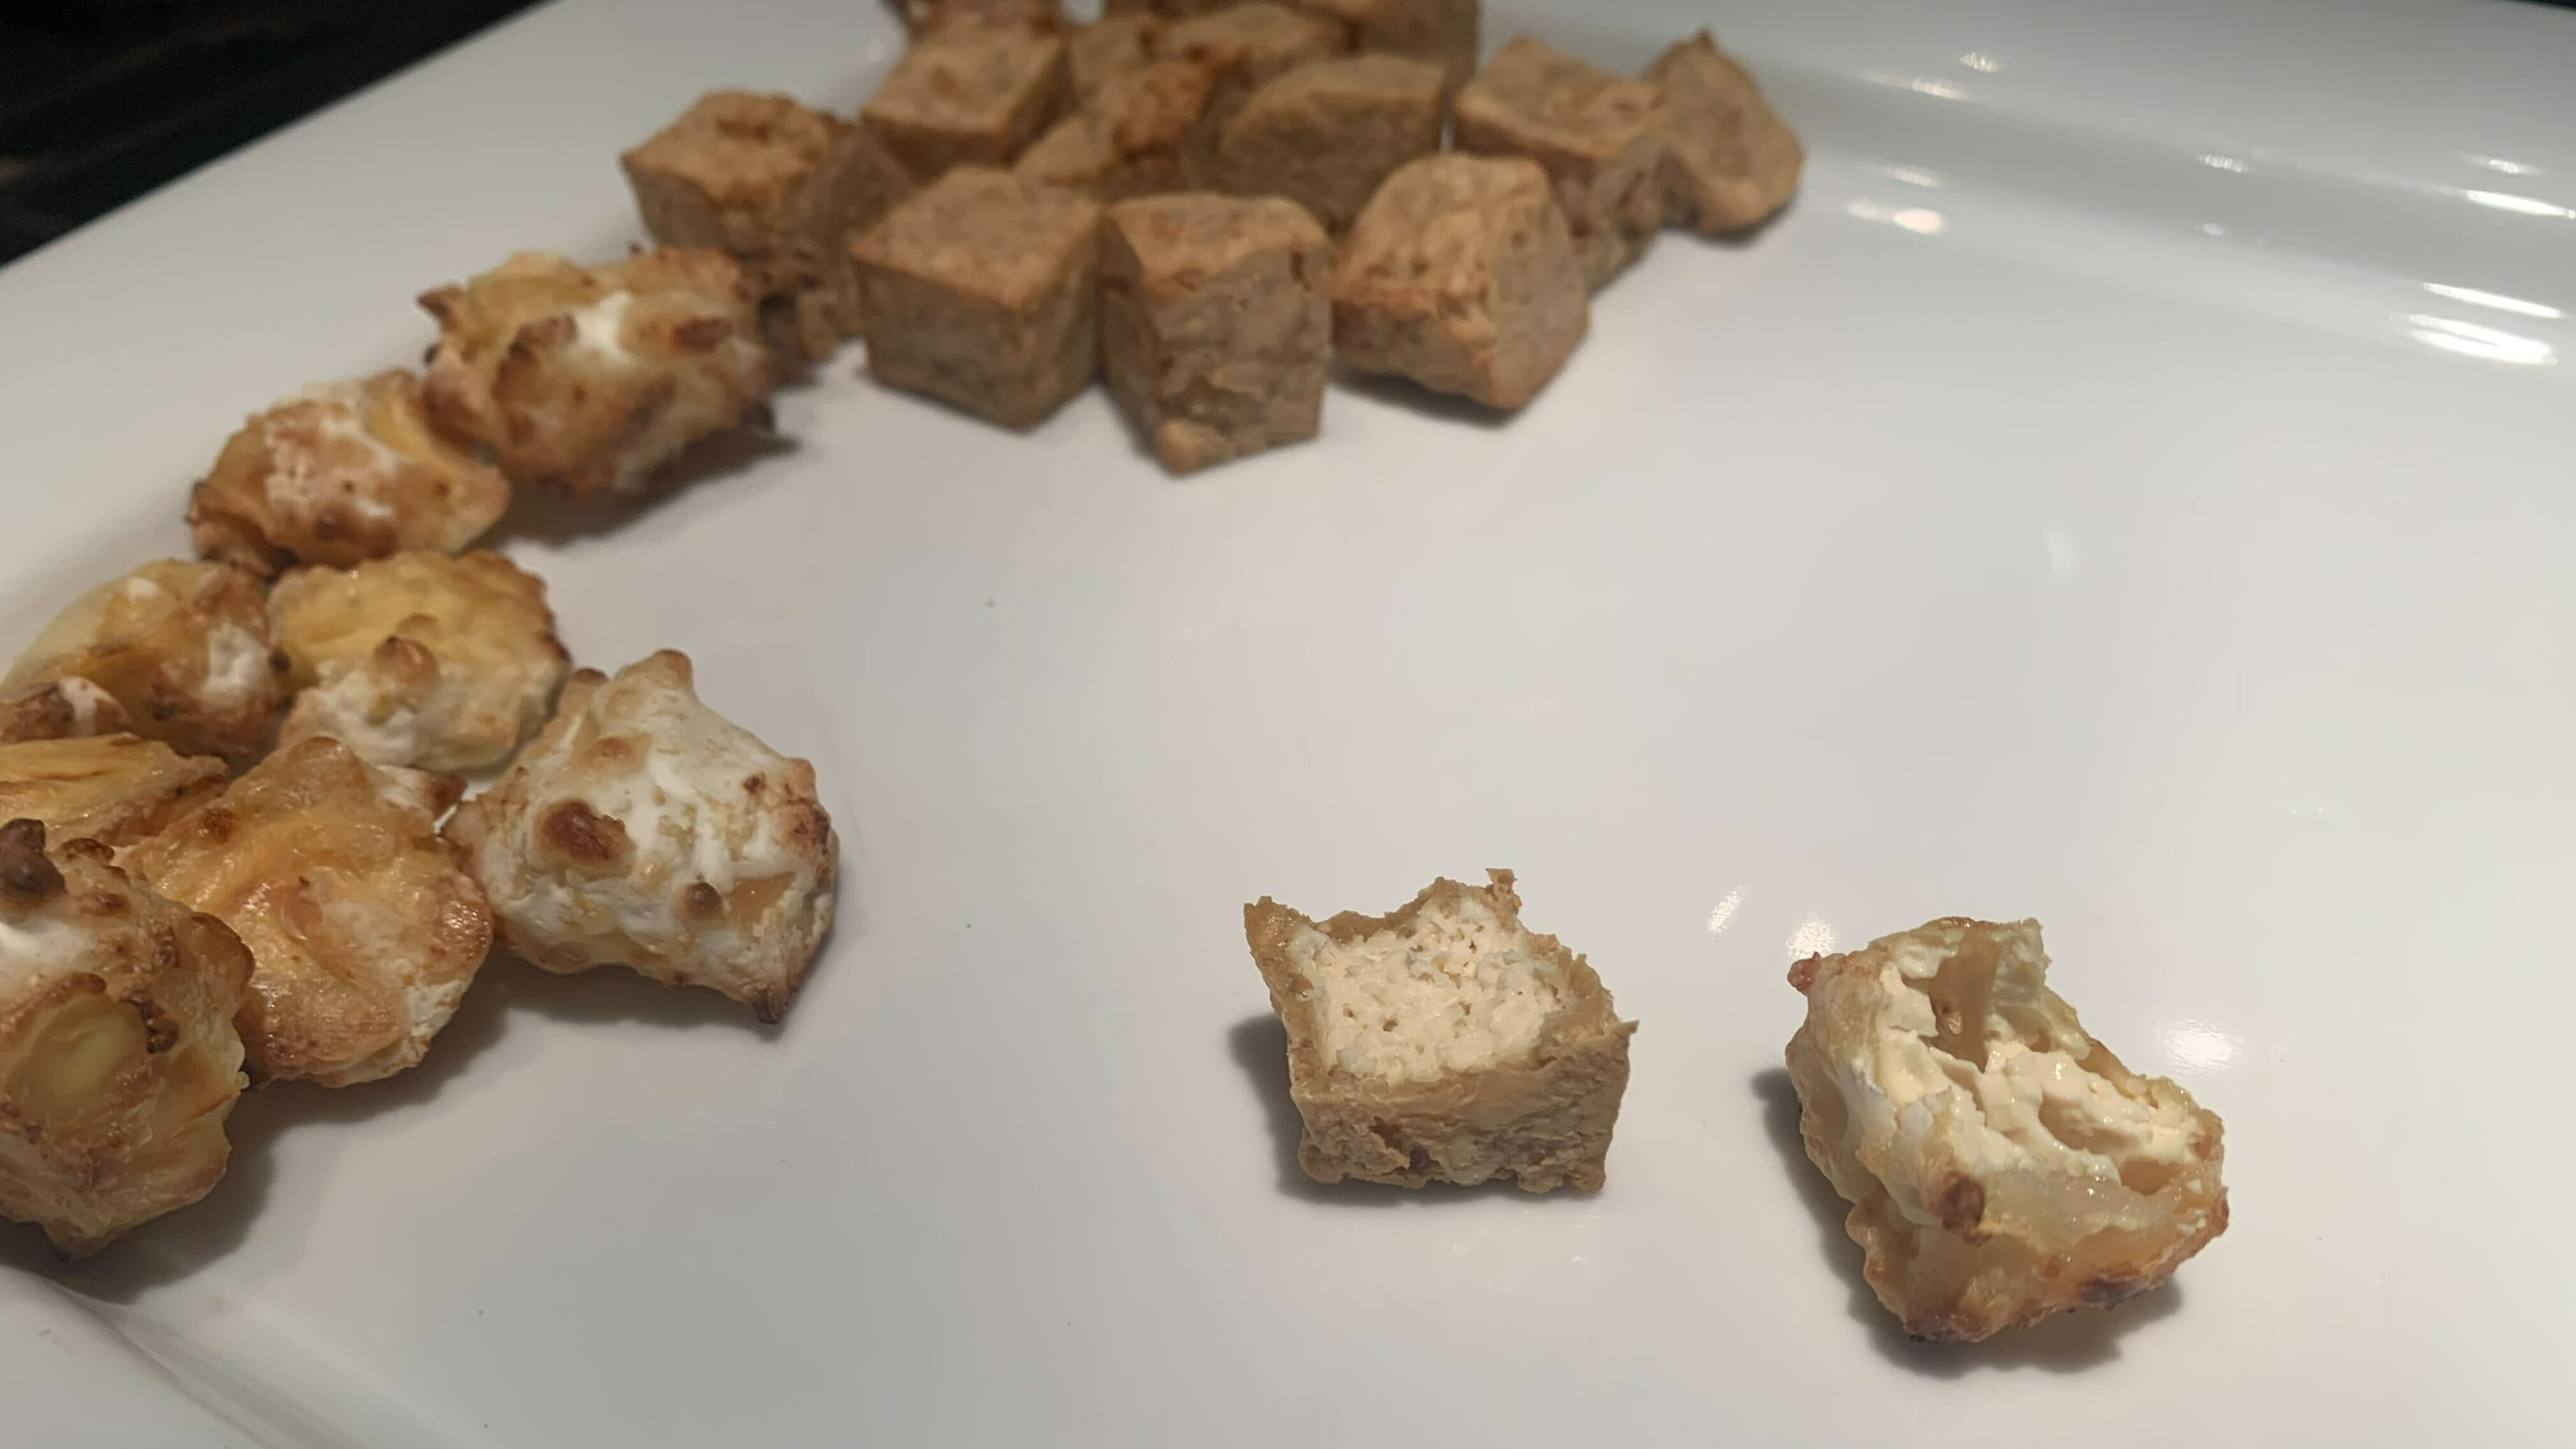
(1326, 134)
(1440, 31)
(1245, 45)
(970, 95)
(1729, 161)
(1135, 137)
(781, 186)
(1600, 136)
(1096, 52)
(1216, 322)
(1461, 274)
(982, 291)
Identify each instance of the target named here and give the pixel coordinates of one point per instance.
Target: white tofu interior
(1457, 991)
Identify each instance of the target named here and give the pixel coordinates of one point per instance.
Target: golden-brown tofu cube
(1600, 136)
(970, 95)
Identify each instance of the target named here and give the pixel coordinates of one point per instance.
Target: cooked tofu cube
(1243, 46)
(982, 291)
(1461, 275)
(1443, 1043)
(1327, 134)
(1442, 32)
(1600, 136)
(970, 95)
(338, 474)
(644, 829)
(1730, 161)
(1216, 323)
(1134, 137)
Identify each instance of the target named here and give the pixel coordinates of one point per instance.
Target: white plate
(2132, 488)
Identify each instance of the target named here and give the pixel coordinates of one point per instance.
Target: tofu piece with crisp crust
(643, 829)
(1729, 160)
(982, 291)
(114, 789)
(1138, 135)
(1442, 32)
(1216, 323)
(363, 932)
(341, 473)
(2002, 1165)
(1243, 46)
(970, 95)
(1462, 275)
(119, 1059)
(1327, 134)
(592, 378)
(1600, 136)
(174, 651)
(422, 660)
(1443, 1043)
(1100, 50)
(781, 187)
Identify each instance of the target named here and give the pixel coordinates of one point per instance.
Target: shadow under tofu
(2068, 1343)
(1404, 392)
(1260, 1047)
(553, 517)
(615, 994)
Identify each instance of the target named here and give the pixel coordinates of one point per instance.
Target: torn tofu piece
(114, 789)
(970, 95)
(1600, 136)
(1216, 323)
(1327, 134)
(643, 829)
(1729, 160)
(780, 186)
(421, 659)
(1136, 136)
(1114, 43)
(2002, 1166)
(1243, 46)
(591, 378)
(929, 17)
(1442, 32)
(341, 473)
(363, 933)
(1461, 275)
(1443, 1043)
(119, 1060)
(982, 291)
(174, 651)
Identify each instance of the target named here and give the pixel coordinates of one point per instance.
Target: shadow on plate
(553, 517)
(2065, 1344)
(1260, 1046)
(1404, 392)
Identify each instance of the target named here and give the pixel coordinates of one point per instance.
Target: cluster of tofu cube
(1208, 203)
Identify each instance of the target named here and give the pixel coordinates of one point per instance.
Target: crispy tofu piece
(1327, 134)
(1134, 137)
(780, 186)
(1443, 1043)
(970, 95)
(1600, 136)
(341, 473)
(643, 829)
(114, 789)
(1216, 323)
(1442, 32)
(177, 652)
(2002, 1165)
(1461, 274)
(982, 291)
(1244, 46)
(423, 660)
(362, 931)
(591, 378)
(1730, 162)
(119, 1060)
(1098, 51)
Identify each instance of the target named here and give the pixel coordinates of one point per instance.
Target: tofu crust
(1545, 1122)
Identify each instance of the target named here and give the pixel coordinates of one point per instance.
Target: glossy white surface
(2131, 488)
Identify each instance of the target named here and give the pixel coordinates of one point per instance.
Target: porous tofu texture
(1243, 46)
(341, 473)
(1099, 51)
(1216, 323)
(1730, 161)
(982, 291)
(1327, 134)
(1443, 1043)
(970, 95)
(1133, 137)
(1600, 136)
(2002, 1165)
(1461, 275)
(1442, 32)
